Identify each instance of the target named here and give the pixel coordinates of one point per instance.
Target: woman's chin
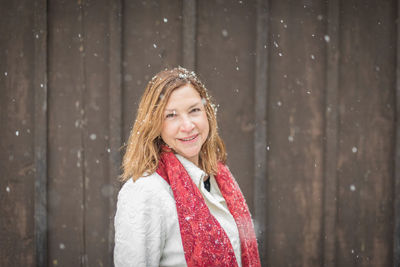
(190, 155)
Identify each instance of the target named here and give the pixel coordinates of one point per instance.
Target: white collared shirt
(146, 222)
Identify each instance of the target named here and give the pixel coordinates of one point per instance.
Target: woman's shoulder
(152, 185)
(148, 196)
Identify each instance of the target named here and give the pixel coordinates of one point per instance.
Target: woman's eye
(170, 115)
(195, 110)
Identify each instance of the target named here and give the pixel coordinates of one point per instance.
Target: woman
(180, 205)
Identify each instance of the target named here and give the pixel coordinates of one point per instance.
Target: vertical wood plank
(115, 112)
(260, 131)
(189, 33)
(396, 234)
(40, 131)
(366, 135)
(66, 121)
(98, 189)
(17, 120)
(297, 57)
(330, 135)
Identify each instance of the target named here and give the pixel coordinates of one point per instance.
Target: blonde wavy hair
(144, 144)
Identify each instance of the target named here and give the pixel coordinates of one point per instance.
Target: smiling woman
(185, 127)
(166, 216)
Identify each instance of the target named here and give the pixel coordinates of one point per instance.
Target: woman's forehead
(182, 97)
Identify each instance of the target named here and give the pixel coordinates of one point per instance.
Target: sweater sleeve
(139, 232)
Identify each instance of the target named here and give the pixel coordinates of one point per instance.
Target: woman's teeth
(188, 139)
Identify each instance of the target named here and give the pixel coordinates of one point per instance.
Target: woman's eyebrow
(195, 104)
(192, 106)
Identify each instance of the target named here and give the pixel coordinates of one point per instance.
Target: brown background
(308, 97)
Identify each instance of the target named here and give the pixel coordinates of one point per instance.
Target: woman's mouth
(188, 139)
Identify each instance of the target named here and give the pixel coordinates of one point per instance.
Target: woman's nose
(187, 124)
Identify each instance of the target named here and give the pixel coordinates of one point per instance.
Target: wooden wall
(308, 97)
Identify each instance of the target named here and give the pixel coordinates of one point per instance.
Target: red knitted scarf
(205, 243)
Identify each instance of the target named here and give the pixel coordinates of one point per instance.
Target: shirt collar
(194, 172)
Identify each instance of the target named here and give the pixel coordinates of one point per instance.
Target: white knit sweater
(146, 223)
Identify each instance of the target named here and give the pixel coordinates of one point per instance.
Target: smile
(190, 138)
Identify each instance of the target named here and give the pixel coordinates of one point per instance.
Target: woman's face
(185, 126)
